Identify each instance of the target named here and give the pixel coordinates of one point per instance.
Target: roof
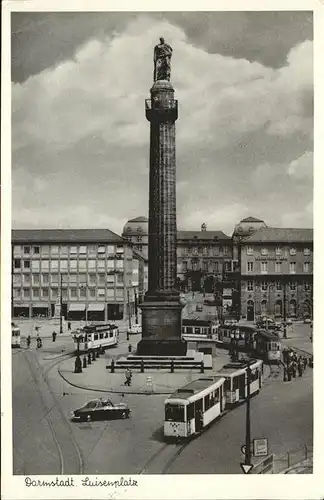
(251, 219)
(195, 387)
(280, 235)
(65, 236)
(202, 235)
(267, 335)
(234, 367)
(139, 219)
(197, 322)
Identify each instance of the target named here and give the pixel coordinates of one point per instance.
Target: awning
(76, 307)
(37, 305)
(21, 306)
(96, 307)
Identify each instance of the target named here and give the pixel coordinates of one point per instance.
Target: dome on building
(248, 226)
(137, 226)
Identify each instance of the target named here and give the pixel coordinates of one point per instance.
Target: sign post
(247, 466)
(260, 447)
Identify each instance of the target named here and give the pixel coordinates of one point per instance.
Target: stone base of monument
(193, 360)
(162, 347)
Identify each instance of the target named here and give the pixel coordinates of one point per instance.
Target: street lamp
(247, 460)
(61, 303)
(284, 308)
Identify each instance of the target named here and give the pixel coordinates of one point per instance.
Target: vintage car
(199, 308)
(99, 409)
(307, 320)
(134, 329)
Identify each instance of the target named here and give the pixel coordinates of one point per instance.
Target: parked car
(199, 308)
(99, 409)
(307, 320)
(134, 329)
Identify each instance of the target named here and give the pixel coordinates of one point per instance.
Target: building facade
(88, 274)
(202, 258)
(136, 231)
(277, 273)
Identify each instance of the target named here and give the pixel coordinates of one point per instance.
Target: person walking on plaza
(69, 326)
(300, 368)
(54, 336)
(128, 375)
(305, 362)
(28, 340)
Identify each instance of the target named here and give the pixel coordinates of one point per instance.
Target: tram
(191, 408)
(236, 380)
(93, 337)
(267, 344)
(15, 336)
(204, 329)
(242, 335)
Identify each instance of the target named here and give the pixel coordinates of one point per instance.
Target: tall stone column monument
(161, 309)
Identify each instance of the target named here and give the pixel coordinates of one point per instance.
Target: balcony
(161, 109)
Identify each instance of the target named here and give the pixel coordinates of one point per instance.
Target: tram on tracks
(15, 336)
(93, 337)
(198, 328)
(254, 341)
(190, 409)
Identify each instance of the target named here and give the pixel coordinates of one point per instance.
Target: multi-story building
(136, 231)
(202, 258)
(86, 272)
(277, 273)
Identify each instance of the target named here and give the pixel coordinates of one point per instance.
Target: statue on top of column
(162, 61)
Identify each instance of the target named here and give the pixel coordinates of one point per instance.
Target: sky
(244, 136)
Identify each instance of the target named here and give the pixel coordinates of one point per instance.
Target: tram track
(69, 453)
(161, 461)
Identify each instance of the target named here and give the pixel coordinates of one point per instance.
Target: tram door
(199, 415)
(241, 386)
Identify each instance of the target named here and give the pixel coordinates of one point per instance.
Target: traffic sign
(246, 468)
(260, 447)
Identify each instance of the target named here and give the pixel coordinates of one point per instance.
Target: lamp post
(248, 419)
(284, 309)
(136, 306)
(129, 311)
(61, 302)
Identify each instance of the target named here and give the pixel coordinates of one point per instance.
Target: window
(17, 279)
(73, 278)
(54, 278)
(307, 251)
(216, 267)
(82, 278)
(26, 293)
(216, 251)
(186, 251)
(205, 266)
(45, 279)
(292, 251)
(185, 267)
(36, 250)
(101, 279)
(205, 250)
(292, 267)
(195, 251)
(101, 265)
(221, 250)
(250, 267)
(120, 279)
(225, 250)
(306, 286)
(54, 293)
(101, 249)
(45, 265)
(73, 250)
(82, 249)
(200, 250)
(306, 267)
(45, 293)
(250, 286)
(264, 251)
(264, 267)
(174, 413)
(54, 265)
(82, 265)
(17, 250)
(73, 265)
(54, 249)
(278, 286)
(26, 279)
(16, 293)
(120, 264)
(64, 250)
(17, 263)
(92, 294)
(120, 293)
(26, 264)
(92, 279)
(249, 251)
(110, 293)
(91, 264)
(111, 249)
(26, 250)
(110, 278)
(63, 265)
(73, 293)
(83, 292)
(264, 286)
(278, 251)
(120, 249)
(64, 293)
(35, 264)
(292, 286)
(35, 279)
(36, 293)
(139, 239)
(100, 292)
(278, 267)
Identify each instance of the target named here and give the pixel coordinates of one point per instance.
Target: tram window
(235, 383)
(216, 396)
(95, 337)
(174, 413)
(106, 335)
(197, 330)
(190, 411)
(227, 384)
(101, 335)
(111, 333)
(189, 329)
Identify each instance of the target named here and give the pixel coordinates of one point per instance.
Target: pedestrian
(39, 342)
(285, 370)
(69, 326)
(54, 336)
(128, 377)
(300, 368)
(28, 340)
(305, 362)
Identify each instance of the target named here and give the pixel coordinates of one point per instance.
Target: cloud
(302, 168)
(79, 129)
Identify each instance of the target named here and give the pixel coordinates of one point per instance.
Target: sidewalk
(97, 378)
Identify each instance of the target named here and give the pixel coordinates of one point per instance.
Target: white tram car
(236, 376)
(93, 337)
(193, 329)
(15, 336)
(193, 407)
(190, 409)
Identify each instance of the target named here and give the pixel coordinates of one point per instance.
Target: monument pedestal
(161, 327)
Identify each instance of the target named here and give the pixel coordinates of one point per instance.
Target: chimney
(203, 226)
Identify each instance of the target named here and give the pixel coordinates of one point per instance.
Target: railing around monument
(164, 109)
